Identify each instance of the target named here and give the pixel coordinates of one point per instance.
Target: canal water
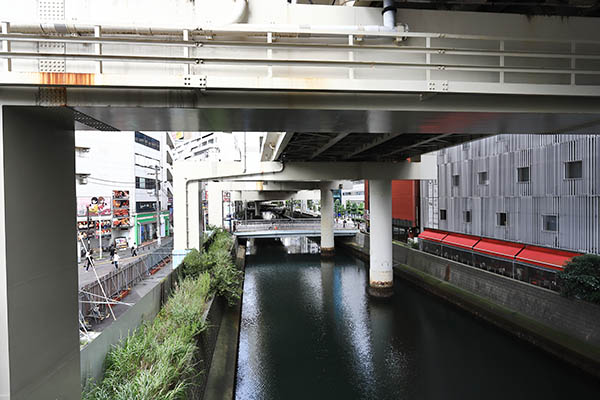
(309, 331)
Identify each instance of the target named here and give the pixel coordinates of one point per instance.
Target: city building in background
(211, 146)
(354, 195)
(119, 175)
(535, 189)
(243, 147)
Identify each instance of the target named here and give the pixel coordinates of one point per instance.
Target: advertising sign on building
(98, 206)
(121, 209)
(226, 197)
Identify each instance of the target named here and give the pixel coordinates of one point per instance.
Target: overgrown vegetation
(225, 277)
(581, 278)
(157, 360)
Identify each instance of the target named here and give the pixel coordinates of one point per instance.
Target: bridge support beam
(380, 207)
(39, 341)
(327, 241)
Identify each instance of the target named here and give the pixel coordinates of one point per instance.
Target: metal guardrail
(115, 282)
(434, 61)
(282, 224)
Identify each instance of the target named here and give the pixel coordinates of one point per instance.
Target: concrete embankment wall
(569, 329)
(152, 295)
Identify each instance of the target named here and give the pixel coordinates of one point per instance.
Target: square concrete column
(381, 276)
(215, 204)
(327, 239)
(39, 332)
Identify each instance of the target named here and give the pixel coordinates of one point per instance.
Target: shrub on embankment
(581, 278)
(158, 360)
(225, 277)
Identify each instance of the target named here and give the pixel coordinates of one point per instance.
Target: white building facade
(534, 189)
(118, 177)
(354, 195)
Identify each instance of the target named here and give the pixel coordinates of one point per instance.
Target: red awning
(436, 236)
(499, 248)
(460, 240)
(547, 258)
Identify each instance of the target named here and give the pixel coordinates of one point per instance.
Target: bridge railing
(299, 224)
(350, 60)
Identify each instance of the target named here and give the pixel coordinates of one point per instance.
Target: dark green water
(309, 331)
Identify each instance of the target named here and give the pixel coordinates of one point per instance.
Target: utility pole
(157, 192)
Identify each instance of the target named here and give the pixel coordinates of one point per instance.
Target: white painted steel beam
(304, 171)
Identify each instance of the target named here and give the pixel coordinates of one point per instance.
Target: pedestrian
(133, 250)
(116, 260)
(89, 261)
(112, 250)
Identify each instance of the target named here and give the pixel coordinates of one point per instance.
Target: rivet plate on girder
(437, 86)
(197, 81)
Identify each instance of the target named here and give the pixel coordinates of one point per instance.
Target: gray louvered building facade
(533, 189)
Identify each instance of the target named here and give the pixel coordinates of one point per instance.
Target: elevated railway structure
(337, 83)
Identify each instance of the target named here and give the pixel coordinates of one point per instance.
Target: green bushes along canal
(158, 361)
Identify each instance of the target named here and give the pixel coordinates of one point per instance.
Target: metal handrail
(289, 225)
(117, 281)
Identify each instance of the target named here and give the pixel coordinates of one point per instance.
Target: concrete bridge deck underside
(326, 126)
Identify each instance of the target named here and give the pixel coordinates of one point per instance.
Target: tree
(337, 207)
(581, 278)
(354, 209)
(361, 209)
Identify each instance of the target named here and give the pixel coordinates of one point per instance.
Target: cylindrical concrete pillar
(380, 210)
(327, 242)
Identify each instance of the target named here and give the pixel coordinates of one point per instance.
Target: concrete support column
(327, 240)
(380, 207)
(215, 204)
(39, 333)
(195, 226)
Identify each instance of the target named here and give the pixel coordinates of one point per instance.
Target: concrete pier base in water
(381, 277)
(327, 240)
(327, 252)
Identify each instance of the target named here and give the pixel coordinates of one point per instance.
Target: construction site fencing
(116, 284)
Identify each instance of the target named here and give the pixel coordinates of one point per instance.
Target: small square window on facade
(502, 219)
(455, 180)
(467, 216)
(483, 178)
(550, 223)
(574, 170)
(523, 174)
(443, 215)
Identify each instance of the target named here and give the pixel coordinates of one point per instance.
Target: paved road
(104, 266)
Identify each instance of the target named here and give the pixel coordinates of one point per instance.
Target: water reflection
(309, 331)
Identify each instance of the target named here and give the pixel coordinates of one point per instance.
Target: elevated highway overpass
(334, 83)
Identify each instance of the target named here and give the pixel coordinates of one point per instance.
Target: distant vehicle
(121, 242)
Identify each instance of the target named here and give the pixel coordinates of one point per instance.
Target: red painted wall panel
(404, 194)
(405, 198)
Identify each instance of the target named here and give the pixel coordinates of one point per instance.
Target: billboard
(98, 206)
